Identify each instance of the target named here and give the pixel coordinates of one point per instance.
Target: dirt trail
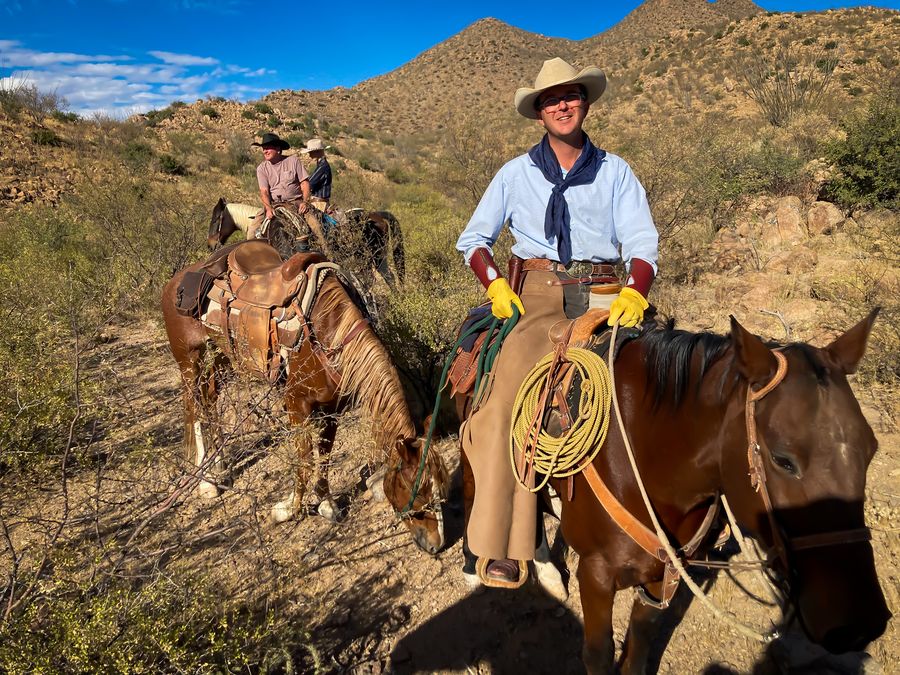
(370, 601)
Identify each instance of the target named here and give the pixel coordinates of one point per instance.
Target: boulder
(823, 218)
(789, 219)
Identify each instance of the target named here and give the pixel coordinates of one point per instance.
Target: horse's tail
(395, 240)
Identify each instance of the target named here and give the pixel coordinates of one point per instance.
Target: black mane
(669, 352)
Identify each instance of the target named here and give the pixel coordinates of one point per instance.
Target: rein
(486, 357)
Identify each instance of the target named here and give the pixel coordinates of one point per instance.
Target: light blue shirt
(606, 215)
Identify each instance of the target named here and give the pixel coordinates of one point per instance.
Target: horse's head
(214, 237)
(423, 516)
(813, 447)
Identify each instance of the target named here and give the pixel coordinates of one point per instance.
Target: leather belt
(575, 269)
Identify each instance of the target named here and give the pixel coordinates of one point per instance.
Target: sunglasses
(552, 103)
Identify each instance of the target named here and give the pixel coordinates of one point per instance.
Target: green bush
(154, 117)
(868, 158)
(263, 108)
(172, 165)
(209, 112)
(172, 624)
(273, 121)
(137, 152)
(67, 117)
(248, 114)
(46, 137)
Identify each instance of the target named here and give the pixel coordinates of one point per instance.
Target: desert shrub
(263, 108)
(273, 121)
(46, 137)
(177, 104)
(248, 114)
(174, 623)
(154, 117)
(172, 165)
(868, 157)
(67, 117)
(137, 152)
(420, 323)
(236, 154)
(21, 97)
(209, 112)
(367, 161)
(790, 83)
(296, 140)
(396, 174)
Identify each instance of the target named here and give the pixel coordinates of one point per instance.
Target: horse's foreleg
(597, 594)
(548, 576)
(468, 496)
(642, 629)
(326, 507)
(207, 435)
(299, 409)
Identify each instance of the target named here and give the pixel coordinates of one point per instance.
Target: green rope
(486, 357)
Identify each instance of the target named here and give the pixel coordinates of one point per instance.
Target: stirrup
(481, 569)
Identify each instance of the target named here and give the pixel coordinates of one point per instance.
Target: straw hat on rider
(314, 144)
(272, 141)
(555, 72)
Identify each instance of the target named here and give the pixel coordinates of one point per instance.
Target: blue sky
(121, 56)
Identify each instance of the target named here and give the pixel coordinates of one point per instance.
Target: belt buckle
(578, 269)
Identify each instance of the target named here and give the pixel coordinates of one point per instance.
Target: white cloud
(184, 59)
(120, 85)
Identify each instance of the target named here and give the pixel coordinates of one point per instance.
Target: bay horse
(314, 389)
(688, 403)
(359, 239)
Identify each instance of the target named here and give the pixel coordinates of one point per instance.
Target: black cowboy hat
(272, 140)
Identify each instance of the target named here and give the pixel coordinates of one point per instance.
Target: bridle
(782, 542)
(433, 506)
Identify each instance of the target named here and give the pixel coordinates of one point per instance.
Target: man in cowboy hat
(573, 211)
(282, 180)
(320, 178)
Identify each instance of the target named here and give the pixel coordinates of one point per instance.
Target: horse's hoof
(328, 510)
(551, 580)
(207, 490)
(283, 511)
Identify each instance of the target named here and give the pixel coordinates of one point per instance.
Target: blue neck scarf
(556, 218)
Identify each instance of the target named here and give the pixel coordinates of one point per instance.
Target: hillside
(110, 560)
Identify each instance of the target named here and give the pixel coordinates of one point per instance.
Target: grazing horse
(340, 362)
(360, 239)
(701, 411)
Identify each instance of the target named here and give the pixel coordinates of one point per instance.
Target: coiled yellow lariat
(563, 456)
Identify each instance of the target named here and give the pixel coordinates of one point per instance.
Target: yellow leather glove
(628, 308)
(503, 299)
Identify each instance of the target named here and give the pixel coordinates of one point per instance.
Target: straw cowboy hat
(272, 140)
(314, 144)
(555, 72)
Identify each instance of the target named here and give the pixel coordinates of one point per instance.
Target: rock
(728, 83)
(797, 260)
(823, 218)
(789, 219)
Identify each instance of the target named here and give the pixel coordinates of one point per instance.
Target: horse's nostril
(845, 639)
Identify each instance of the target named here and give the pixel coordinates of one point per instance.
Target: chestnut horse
(684, 403)
(360, 239)
(361, 372)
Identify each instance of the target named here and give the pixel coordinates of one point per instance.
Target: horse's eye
(786, 464)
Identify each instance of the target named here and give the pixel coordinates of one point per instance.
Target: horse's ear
(426, 424)
(408, 450)
(754, 360)
(847, 351)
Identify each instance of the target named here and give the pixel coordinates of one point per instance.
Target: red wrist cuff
(484, 267)
(641, 276)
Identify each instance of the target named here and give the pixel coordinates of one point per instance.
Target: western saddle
(257, 301)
